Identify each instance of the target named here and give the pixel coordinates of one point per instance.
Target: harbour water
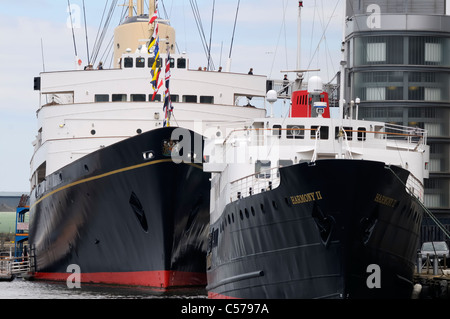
(25, 289)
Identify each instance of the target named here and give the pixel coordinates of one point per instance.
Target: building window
(175, 98)
(376, 52)
(433, 52)
(101, 98)
(375, 94)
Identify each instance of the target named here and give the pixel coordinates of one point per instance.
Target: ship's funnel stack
(136, 31)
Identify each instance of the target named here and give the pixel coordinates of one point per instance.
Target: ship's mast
(130, 8)
(299, 32)
(140, 7)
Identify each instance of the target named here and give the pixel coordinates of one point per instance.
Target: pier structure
(19, 262)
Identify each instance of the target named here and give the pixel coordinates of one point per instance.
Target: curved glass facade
(403, 77)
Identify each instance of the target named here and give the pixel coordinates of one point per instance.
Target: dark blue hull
(126, 214)
(332, 229)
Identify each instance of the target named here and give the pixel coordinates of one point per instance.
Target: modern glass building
(398, 64)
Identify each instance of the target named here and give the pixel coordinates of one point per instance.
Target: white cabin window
(172, 63)
(128, 62)
(362, 133)
(295, 132)
(262, 169)
(348, 132)
(207, 99)
(181, 63)
(157, 98)
(152, 60)
(324, 132)
(137, 97)
(190, 98)
(101, 98)
(140, 62)
(276, 130)
(119, 97)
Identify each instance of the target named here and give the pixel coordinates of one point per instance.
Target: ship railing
(10, 266)
(415, 187)
(264, 180)
(412, 135)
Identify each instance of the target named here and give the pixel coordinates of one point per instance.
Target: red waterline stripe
(214, 295)
(158, 279)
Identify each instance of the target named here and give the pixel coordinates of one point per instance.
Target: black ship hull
(126, 214)
(333, 229)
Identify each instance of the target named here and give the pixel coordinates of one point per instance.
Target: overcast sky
(266, 40)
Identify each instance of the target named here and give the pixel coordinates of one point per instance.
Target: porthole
(288, 201)
(246, 213)
(93, 132)
(253, 210)
(139, 131)
(262, 208)
(241, 215)
(274, 204)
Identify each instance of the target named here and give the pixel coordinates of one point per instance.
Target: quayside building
(398, 69)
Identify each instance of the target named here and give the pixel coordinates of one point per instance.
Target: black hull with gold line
(332, 229)
(126, 214)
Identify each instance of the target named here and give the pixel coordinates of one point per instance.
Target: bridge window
(348, 132)
(181, 63)
(128, 62)
(262, 169)
(140, 62)
(207, 99)
(190, 98)
(101, 98)
(276, 130)
(157, 98)
(119, 97)
(324, 132)
(137, 97)
(172, 63)
(295, 132)
(152, 60)
(362, 133)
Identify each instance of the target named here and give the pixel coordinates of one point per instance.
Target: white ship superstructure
(84, 110)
